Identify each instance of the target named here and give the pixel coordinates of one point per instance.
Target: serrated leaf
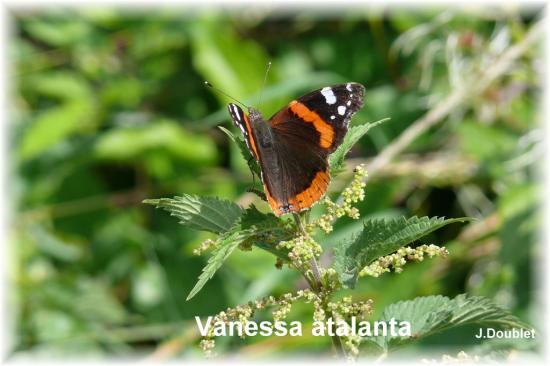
(261, 230)
(381, 237)
(434, 314)
(201, 213)
(336, 160)
(227, 243)
(252, 217)
(267, 231)
(245, 152)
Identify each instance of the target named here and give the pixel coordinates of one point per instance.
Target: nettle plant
(379, 247)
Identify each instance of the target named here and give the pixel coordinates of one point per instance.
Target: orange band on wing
(311, 194)
(325, 130)
(251, 137)
(275, 206)
(303, 200)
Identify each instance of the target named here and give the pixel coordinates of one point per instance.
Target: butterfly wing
(324, 114)
(305, 132)
(295, 171)
(241, 120)
(302, 176)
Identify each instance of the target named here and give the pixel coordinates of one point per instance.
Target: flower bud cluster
(268, 234)
(347, 308)
(301, 250)
(242, 313)
(206, 245)
(207, 345)
(318, 311)
(354, 193)
(330, 280)
(285, 305)
(398, 259)
(352, 343)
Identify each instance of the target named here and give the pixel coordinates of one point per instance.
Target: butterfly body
(293, 146)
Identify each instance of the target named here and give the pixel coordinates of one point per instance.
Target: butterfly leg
(258, 193)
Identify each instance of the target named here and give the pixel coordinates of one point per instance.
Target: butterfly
(293, 146)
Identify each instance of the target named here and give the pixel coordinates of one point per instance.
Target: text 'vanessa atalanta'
(293, 146)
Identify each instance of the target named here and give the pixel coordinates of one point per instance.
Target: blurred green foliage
(110, 108)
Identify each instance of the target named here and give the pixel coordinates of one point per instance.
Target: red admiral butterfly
(293, 146)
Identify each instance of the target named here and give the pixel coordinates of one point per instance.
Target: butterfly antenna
(225, 94)
(265, 80)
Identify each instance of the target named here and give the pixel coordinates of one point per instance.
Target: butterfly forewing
(241, 120)
(328, 111)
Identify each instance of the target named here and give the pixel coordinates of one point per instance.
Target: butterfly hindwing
(302, 178)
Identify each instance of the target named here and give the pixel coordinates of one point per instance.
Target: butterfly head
(254, 115)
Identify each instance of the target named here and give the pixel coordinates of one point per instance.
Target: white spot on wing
(341, 110)
(242, 129)
(327, 92)
(235, 112)
(348, 103)
(332, 117)
(348, 86)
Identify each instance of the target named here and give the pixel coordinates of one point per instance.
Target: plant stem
(338, 346)
(316, 273)
(317, 287)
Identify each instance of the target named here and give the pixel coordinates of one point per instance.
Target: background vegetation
(110, 108)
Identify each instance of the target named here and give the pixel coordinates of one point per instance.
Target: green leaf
(253, 218)
(227, 243)
(245, 152)
(58, 28)
(123, 91)
(91, 292)
(381, 237)
(434, 314)
(228, 219)
(336, 160)
(254, 228)
(54, 246)
(53, 125)
(61, 85)
(201, 213)
(76, 112)
(153, 40)
(225, 58)
(164, 135)
(268, 231)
